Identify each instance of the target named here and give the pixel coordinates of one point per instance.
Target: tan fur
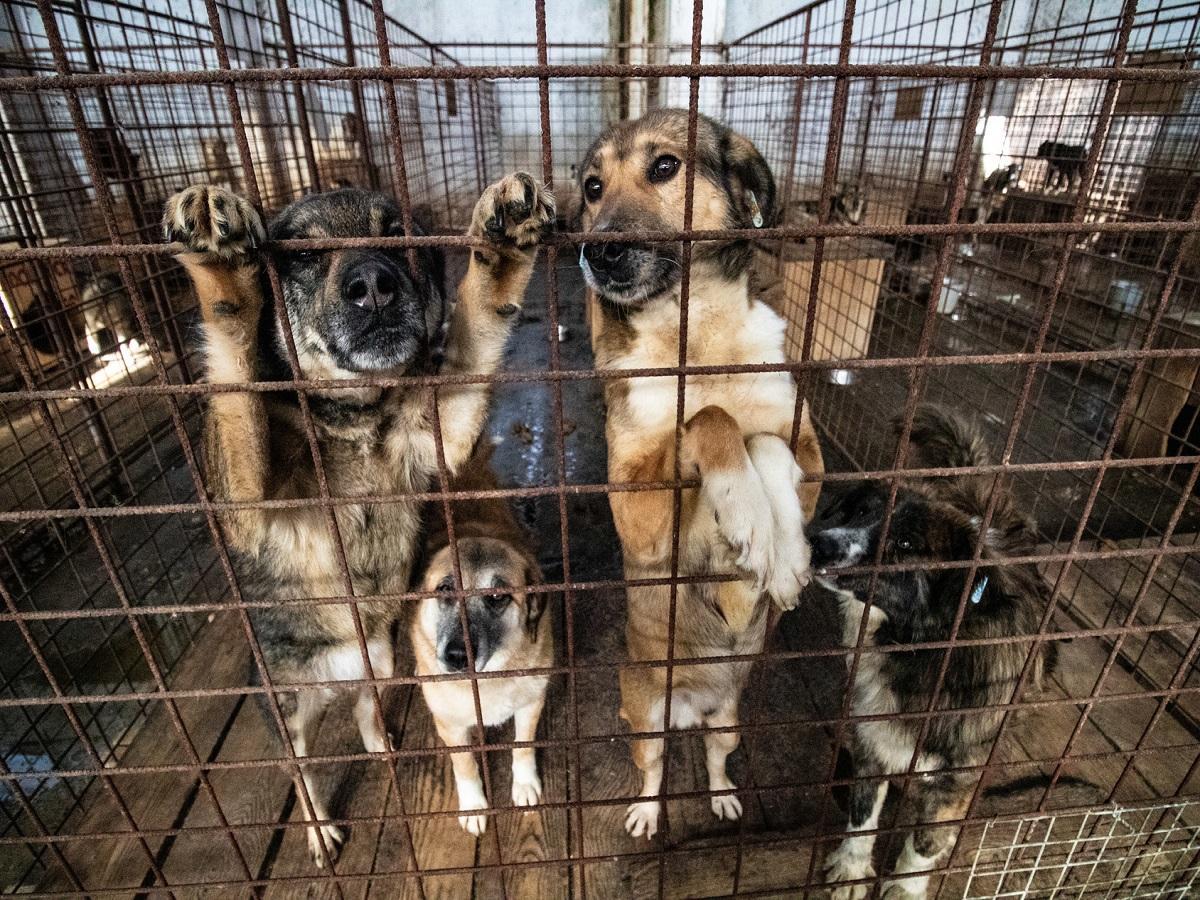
(725, 326)
(528, 641)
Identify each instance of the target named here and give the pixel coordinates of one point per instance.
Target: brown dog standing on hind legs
(352, 313)
(507, 628)
(748, 514)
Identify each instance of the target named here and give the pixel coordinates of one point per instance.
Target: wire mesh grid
(1098, 853)
(1058, 308)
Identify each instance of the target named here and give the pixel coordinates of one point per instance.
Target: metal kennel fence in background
(1065, 320)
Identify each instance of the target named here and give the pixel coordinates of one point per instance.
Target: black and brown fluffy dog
(352, 312)
(932, 522)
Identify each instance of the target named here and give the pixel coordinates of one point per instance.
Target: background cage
(1066, 321)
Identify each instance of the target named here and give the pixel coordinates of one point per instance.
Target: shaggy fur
(934, 521)
(352, 313)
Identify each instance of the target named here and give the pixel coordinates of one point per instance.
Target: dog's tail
(943, 439)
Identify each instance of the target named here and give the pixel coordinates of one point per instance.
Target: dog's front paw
(898, 890)
(791, 571)
(781, 478)
(641, 819)
(471, 797)
(743, 515)
(333, 837)
(727, 807)
(526, 788)
(514, 212)
(846, 865)
(213, 221)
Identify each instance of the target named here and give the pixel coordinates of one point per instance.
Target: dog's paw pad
(514, 212)
(641, 819)
(212, 220)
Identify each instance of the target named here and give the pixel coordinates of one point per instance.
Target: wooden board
(250, 796)
(532, 836)
(847, 296)
(217, 658)
(358, 791)
(1100, 593)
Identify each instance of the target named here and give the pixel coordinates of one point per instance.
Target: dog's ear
(535, 601)
(989, 586)
(751, 184)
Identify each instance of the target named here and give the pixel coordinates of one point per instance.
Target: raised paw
(781, 478)
(514, 212)
(641, 819)
(743, 515)
(214, 221)
(791, 571)
(333, 836)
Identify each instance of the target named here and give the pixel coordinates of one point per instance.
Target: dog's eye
(497, 603)
(904, 545)
(444, 587)
(593, 188)
(664, 169)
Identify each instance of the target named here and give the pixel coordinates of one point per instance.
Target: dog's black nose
(604, 256)
(371, 285)
(455, 656)
(825, 550)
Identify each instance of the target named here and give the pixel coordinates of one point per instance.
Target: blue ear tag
(757, 216)
(977, 594)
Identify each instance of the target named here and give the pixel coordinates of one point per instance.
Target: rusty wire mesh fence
(1061, 313)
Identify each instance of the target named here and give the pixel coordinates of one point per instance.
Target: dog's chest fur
(724, 327)
(363, 453)
(891, 742)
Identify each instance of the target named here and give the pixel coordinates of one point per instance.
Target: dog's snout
(370, 284)
(825, 549)
(606, 254)
(455, 656)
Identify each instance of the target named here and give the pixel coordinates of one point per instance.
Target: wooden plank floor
(780, 767)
